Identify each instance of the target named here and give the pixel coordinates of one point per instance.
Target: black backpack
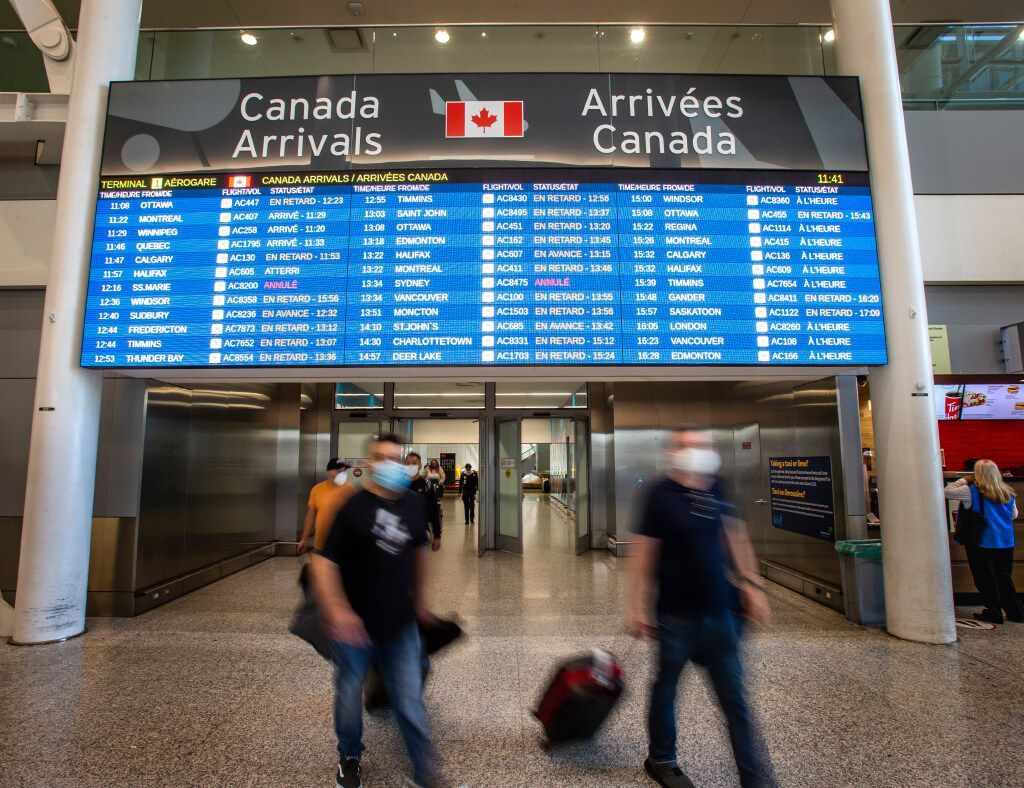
(970, 524)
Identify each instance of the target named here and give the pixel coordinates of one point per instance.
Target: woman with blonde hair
(991, 561)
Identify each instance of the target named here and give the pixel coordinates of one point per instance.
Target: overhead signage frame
(263, 223)
(316, 123)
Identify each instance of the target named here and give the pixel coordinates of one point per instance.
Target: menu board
(978, 401)
(484, 267)
(996, 401)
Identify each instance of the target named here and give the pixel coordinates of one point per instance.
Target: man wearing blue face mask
(694, 562)
(369, 579)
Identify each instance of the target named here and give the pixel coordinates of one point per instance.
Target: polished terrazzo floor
(210, 690)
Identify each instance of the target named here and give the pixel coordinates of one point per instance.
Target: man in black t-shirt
(369, 583)
(689, 542)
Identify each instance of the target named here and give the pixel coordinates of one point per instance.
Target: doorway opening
(543, 491)
(528, 442)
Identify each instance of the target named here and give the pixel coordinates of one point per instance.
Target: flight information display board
(484, 267)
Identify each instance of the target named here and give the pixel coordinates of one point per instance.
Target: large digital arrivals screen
(484, 267)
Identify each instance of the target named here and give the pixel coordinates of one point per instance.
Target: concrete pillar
(918, 588)
(54, 566)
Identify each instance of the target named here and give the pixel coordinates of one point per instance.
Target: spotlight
(830, 36)
(637, 35)
(442, 37)
(249, 38)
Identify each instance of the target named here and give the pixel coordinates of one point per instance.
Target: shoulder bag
(970, 524)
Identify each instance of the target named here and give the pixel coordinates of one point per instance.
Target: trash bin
(860, 562)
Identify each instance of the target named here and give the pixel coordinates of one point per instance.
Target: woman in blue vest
(991, 561)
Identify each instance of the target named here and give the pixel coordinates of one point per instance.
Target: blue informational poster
(802, 496)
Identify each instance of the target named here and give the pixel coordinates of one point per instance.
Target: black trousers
(992, 570)
(467, 504)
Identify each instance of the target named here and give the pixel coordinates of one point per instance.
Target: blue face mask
(390, 475)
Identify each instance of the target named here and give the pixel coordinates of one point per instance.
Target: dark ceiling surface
(259, 13)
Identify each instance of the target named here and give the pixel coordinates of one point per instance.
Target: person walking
(435, 478)
(689, 542)
(369, 580)
(318, 503)
(991, 560)
(435, 473)
(413, 467)
(469, 484)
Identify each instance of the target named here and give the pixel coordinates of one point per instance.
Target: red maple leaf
(484, 119)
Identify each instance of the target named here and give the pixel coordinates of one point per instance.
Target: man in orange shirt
(323, 505)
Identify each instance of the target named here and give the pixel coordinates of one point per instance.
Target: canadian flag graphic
(483, 119)
(239, 181)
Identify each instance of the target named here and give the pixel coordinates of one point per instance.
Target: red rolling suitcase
(582, 693)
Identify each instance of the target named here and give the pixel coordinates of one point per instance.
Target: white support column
(56, 528)
(918, 588)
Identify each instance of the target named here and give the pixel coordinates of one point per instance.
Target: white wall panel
(972, 238)
(445, 431)
(26, 233)
(26, 237)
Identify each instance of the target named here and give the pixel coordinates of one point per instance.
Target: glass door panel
(508, 509)
(350, 439)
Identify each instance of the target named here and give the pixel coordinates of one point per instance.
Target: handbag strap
(981, 500)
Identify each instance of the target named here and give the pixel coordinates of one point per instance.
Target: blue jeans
(398, 659)
(713, 641)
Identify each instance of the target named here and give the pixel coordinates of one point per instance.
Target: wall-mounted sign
(938, 338)
(373, 221)
(802, 498)
(343, 122)
(979, 401)
(508, 462)
(992, 401)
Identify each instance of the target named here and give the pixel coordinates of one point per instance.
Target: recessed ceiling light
(249, 38)
(442, 37)
(830, 36)
(637, 35)
(483, 34)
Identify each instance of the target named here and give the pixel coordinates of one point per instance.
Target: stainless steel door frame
(751, 494)
(581, 454)
(508, 490)
(486, 499)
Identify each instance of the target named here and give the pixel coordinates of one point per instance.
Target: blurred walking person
(695, 563)
(369, 579)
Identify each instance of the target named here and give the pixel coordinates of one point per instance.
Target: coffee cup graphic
(954, 403)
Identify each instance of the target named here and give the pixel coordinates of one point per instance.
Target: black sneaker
(349, 774)
(989, 616)
(667, 773)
